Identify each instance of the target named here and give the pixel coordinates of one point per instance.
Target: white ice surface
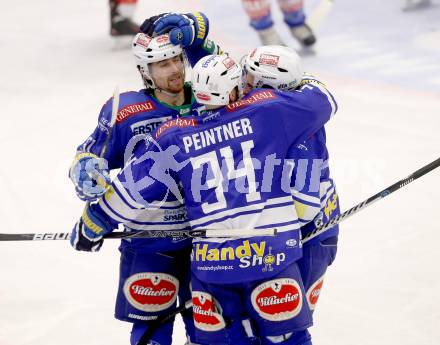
(57, 68)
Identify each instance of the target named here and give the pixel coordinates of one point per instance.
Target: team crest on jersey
(143, 40)
(151, 292)
(314, 292)
(269, 60)
(207, 312)
(278, 299)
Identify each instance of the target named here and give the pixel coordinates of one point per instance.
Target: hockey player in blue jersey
(234, 177)
(165, 96)
(314, 192)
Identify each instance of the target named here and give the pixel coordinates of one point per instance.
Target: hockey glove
(90, 176)
(87, 234)
(148, 25)
(190, 29)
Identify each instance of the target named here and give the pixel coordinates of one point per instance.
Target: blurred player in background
(121, 14)
(259, 12)
(411, 5)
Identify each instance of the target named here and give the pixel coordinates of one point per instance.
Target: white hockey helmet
(148, 49)
(214, 77)
(276, 66)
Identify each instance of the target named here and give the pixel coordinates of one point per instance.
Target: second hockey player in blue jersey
(313, 190)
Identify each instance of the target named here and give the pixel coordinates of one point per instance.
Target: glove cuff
(81, 155)
(96, 224)
(201, 24)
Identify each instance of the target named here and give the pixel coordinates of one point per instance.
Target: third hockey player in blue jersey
(313, 190)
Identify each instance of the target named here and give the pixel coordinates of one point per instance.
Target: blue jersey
(140, 113)
(228, 168)
(313, 190)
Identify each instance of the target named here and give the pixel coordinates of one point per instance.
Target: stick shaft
(145, 234)
(371, 200)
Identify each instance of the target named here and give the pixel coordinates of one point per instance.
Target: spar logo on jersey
(134, 109)
(269, 60)
(257, 97)
(278, 299)
(206, 312)
(313, 293)
(148, 126)
(175, 215)
(151, 292)
(143, 40)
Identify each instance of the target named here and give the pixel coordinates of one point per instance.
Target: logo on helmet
(278, 299)
(151, 292)
(269, 60)
(208, 61)
(203, 96)
(207, 312)
(229, 63)
(143, 40)
(162, 39)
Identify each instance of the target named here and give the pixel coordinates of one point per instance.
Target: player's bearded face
(169, 75)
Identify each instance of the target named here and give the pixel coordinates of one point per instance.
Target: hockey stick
(382, 194)
(145, 234)
(427, 168)
(321, 12)
(154, 325)
(115, 108)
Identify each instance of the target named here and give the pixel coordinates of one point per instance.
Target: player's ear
(233, 95)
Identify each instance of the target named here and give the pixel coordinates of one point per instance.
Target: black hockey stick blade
(154, 325)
